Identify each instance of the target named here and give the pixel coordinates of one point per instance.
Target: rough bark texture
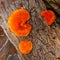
(53, 4)
(45, 39)
(6, 48)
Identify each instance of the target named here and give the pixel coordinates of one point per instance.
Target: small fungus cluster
(17, 24)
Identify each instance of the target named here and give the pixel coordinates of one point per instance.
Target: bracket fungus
(25, 46)
(49, 16)
(17, 22)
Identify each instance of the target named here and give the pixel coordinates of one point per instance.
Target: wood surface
(45, 39)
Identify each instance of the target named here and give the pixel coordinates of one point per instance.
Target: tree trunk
(45, 39)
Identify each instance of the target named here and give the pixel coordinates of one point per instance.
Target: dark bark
(45, 39)
(54, 5)
(6, 48)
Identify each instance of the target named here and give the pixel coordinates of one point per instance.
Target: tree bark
(45, 39)
(53, 4)
(6, 48)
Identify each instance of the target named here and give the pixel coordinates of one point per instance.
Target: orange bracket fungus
(25, 46)
(49, 16)
(17, 22)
